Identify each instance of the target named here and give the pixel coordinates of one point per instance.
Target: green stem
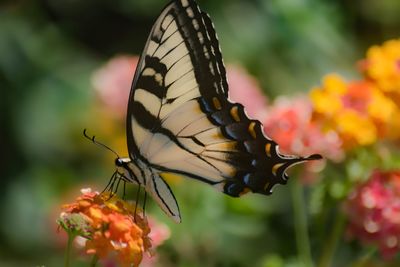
(365, 258)
(330, 246)
(94, 261)
(71, 238)
(301, 225)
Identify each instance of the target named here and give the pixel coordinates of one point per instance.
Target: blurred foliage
(48, 52)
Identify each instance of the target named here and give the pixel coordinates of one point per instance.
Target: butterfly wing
(163, 195)
(180, 119)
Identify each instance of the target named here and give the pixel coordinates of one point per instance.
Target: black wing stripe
(217, 52)
(203, 70)
(150, 83)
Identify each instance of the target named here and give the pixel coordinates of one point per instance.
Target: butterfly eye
(118, 162)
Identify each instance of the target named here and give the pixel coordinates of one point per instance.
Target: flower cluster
(363, 111)
(109, 227)
(382, 66)
(358, 111)
(373, 210)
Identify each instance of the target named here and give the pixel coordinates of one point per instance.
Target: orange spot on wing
(276, 167)
(217, 103)
(234, 113)
(251, 130)
(245, 191)
(268, 149)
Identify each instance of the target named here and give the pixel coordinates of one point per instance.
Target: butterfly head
(119, 162)
(128, 170)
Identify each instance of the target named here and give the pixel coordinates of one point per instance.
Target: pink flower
(374, 212)
(289, 123)
(113, 82)
(245, 89)
(159, 233)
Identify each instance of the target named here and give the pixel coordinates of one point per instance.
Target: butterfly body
(181, 121)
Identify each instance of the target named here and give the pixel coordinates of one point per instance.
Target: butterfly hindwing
(163, 195)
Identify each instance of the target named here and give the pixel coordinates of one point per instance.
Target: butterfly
(180, 120)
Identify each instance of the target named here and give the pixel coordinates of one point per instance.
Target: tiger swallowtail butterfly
(181, 121)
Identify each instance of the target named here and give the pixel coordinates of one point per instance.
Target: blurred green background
(49, 50)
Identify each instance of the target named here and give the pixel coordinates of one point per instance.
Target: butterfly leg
(110, 182)
(116, 188)
(144, 203)
(124, 192)
(136, 202)
(112, 190)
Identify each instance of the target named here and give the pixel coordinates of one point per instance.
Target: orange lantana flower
(357, 110)
(109, 226)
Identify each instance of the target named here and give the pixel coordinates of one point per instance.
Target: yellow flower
(334, 84)
(382, 65)
(381, 107)
(355, 129)
(110, 227)
(326, 100)
(357, 111)
(393, 131)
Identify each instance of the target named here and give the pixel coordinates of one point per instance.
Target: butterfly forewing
(181, 63)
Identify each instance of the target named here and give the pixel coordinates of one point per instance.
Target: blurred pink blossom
(373, 211)
(289, 123)
(113, 82)
(244, 89)
(159, 233)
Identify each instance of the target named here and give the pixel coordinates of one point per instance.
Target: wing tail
(162, 194)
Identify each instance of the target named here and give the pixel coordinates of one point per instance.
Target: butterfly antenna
(93, 139)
